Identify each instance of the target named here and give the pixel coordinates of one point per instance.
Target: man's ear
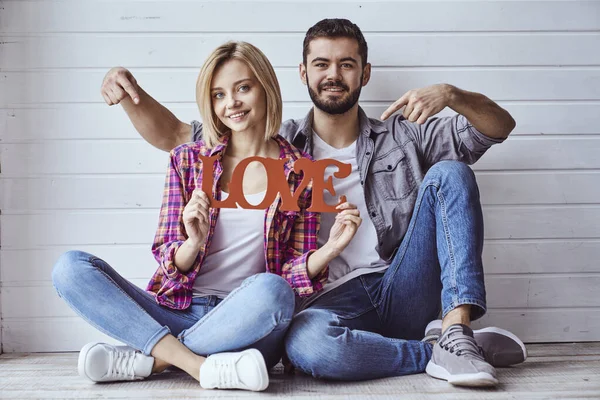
(302, 70)
(366, 74)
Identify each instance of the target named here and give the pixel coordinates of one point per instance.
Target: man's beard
(332, 106)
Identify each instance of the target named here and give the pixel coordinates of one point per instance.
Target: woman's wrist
(329, 252)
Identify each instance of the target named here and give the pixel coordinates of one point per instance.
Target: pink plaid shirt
(290, 236)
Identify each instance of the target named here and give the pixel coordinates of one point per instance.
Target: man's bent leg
(439, 255)
(444, 239)
(339, 337)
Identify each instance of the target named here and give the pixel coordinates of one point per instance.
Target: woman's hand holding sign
(196, 218)
(345, 227)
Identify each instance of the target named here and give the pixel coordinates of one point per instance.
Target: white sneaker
(101, 362)
(244, 370)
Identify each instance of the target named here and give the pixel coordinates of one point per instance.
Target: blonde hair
(213, 130)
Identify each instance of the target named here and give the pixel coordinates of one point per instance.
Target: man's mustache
(333, 84)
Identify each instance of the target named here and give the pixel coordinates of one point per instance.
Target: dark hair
(336, 28)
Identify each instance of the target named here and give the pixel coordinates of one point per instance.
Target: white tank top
(236, 251)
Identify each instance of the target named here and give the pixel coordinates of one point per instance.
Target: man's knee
(310, 343)
(454, 173)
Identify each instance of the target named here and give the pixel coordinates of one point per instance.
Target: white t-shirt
(236, 251)
(360, 256)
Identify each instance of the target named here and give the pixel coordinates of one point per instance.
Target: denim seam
(407, 235)
(93, 259)
(373, 303)
(100, 328)
(153, 341)
(449, 246)
(464, 301)
(190, 330)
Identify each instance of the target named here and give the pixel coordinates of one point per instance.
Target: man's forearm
(155, 123)
(484, 114)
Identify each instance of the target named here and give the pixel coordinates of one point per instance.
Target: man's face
(334, 74)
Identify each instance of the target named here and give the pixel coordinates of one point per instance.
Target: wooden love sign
(277, 183)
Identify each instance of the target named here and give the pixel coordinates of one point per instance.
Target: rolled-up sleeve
(170, 234)
(447, 138)
(301, 244)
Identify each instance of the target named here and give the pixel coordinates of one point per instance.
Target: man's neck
(338, 131)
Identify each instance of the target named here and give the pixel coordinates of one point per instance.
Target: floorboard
(552, 371)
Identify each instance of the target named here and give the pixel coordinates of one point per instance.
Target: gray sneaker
(501, 348)
(457, 359)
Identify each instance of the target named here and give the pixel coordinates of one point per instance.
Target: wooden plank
(83, 157)
(184, 16)
(97, 121)
(547, 350)
(44, 301)
(132, 261)
(528, 222)
(145, 191)
(138, 226)
(541, 256)
(546, 325)
(285, 50)
(79, 228)
(534, 291)
(83, 192)
(65, 334)
(136, 156)
(499, 257)
(388, 84)
(56, 375)
(539, 153)
(519, 292)
(543, 187)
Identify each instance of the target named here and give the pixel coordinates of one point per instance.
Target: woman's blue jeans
(255, 315)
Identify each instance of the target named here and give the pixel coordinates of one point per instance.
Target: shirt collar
(366, 125)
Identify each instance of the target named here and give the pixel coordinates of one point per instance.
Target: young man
(422, 231)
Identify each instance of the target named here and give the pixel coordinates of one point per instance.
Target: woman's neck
(250, 144)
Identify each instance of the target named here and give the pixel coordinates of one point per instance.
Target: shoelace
(461, 344)
(121, 365)
(227, 374)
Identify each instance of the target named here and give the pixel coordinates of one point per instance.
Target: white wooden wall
(75, 174)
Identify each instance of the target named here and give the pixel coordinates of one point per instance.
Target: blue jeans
(255, 315)
(370, 326)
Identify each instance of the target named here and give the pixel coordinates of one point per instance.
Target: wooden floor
(553, 371)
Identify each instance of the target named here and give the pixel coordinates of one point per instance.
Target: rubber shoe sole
(480, 379)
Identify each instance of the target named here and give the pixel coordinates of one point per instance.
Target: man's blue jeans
(257, 314)
(370, 326)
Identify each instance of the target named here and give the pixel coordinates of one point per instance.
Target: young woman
(226, 279)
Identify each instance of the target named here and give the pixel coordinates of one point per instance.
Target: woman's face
(238, 99)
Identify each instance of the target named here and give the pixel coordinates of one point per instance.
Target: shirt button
(368, 153)
(389, 167)
(361, 182)
(373, 214)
